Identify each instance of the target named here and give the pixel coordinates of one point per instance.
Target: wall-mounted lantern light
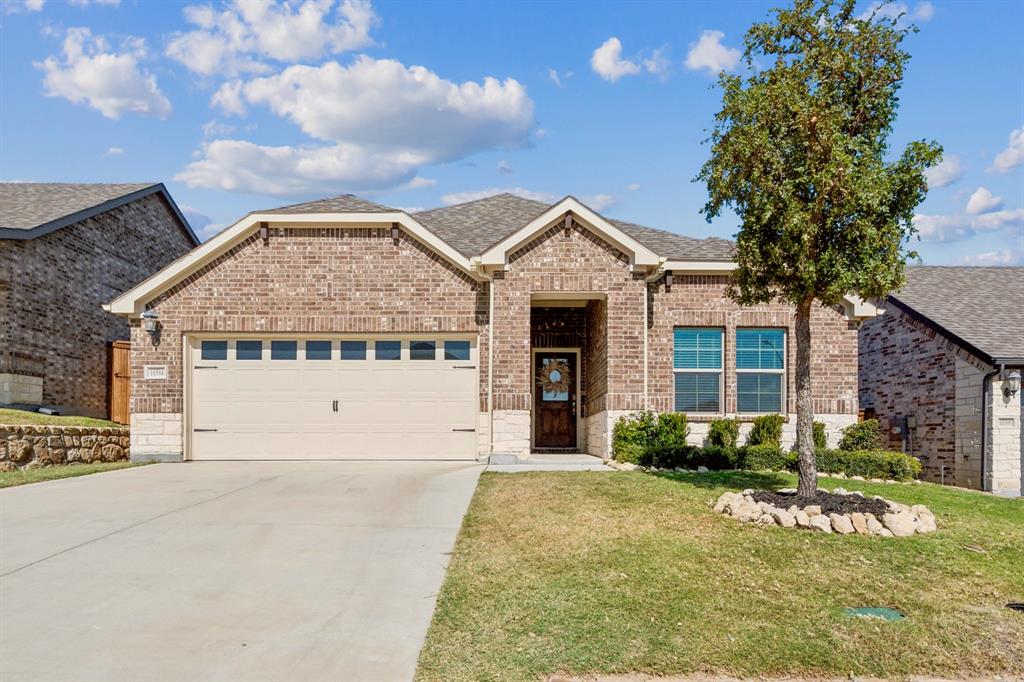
(149, 322)
(668, 281)
(1011, 383)
(396, 232)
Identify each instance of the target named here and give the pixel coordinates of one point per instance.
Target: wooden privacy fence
(120, 381)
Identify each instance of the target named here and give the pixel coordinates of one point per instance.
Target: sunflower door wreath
(554, 376)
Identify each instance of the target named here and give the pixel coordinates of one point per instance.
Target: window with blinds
(697, 363)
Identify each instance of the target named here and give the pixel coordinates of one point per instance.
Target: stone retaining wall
(24, 447)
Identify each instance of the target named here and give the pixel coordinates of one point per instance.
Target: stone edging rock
(27, 446)
(900, 521)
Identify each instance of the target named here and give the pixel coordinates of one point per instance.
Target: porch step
(507, 461)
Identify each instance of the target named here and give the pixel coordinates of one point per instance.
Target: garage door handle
(334, 406)
(465, 430)
(464, 367)
(203, 430)
(205, 367)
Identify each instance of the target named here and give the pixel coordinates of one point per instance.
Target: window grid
(760, 371)
(697, 364)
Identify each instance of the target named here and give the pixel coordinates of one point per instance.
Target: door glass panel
(283, 350)
(318, 350)
(456, 350)
(422, 350)
(353, 350)
(554, 380)
(214, 350)
(387, 350)
(248, 350)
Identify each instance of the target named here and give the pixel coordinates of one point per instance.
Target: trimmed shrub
(633, 435)
(767, 430)
(865, 435)
(723, 433)
(716, 458)
(685, 456)
(820, 437)
(758, 457)
(869, 464)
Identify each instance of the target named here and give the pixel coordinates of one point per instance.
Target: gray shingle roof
(345, 203)
(475, 226)
(25, 205)
(983, 307)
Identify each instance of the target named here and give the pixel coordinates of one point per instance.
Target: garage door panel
(285, 409)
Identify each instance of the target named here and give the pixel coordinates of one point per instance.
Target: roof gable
(33, 209)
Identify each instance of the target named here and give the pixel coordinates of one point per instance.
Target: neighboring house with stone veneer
(345, 329)
(937, 370)
(66, 249)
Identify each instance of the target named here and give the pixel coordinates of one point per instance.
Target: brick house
(342, 328)
(938, 367)
(65, 249)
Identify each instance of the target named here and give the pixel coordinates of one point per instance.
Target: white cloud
(236, 40)
(892, 11)
(111, 82)
(559, 79)
(505, 168)
(242, 166)
(420, 181)
(229, 98)
(113, 151)
(215, 128)
(86, 3)
(990, 258)
(1012, 156)
(657, 63)
(710, 54)
(983, 201)
(633, 186)
(19, 6)
(948, 171)
(598, 202)
(946, 228)
(608, 63)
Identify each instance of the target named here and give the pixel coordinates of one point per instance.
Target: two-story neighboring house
(941, 370)
(65, 249)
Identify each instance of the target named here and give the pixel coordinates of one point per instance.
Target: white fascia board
(132, 302)
(699, 266)
(497, 255)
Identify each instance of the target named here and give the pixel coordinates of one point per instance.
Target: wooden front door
(120, 381)
(555, 400)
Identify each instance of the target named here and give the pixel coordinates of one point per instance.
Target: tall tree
(800, 152)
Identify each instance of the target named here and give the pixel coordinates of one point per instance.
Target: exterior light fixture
(668, 281)
(264, 233)
(568, 224)
(149, 322)
(396, 232)
(1011, 383)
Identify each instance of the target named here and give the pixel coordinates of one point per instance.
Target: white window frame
(782, 372)
(720, 371)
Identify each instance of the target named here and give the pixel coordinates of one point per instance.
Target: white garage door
(311, 398)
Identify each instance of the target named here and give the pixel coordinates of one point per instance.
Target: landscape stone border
(28, 447)
(900, 521)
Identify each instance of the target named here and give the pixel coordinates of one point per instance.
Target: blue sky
(241, 106)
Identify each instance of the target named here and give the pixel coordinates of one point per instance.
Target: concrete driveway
(227, 570)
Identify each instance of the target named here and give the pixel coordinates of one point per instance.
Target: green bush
(820, 437)
(670, 431)
(723, 433)
(716, 458)
(633, 435)
(758, 457)
(865, 435)
(869, 464)
(767, 430)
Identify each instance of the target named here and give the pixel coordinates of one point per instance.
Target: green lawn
(591, 573)
(23, 476)
(23, 417)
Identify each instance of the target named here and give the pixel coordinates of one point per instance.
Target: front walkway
(227, 571)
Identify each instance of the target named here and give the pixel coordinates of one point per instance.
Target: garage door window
(249, 350)
(353, 350)
(456, 350)
(215, 350)
(388, 350)
(423, 350)
(318, 350)
(283, 350)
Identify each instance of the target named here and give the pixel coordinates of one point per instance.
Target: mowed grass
(24, 417)
(51, 473)
(590, 573)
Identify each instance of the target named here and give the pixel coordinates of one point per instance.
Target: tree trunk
(808, 466)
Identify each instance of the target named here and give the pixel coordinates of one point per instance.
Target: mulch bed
(829, 503)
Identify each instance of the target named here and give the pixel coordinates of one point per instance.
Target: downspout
(658, 272)
(490, 363)
(986, 387)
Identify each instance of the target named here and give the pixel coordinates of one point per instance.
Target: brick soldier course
(66, 249)
(508, 270)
